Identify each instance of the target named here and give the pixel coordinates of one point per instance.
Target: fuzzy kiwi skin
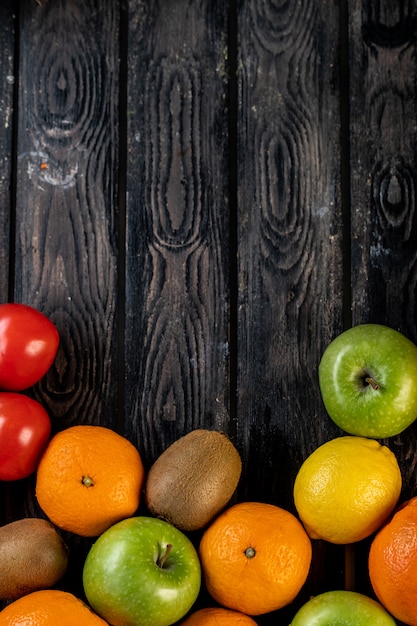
(193, 479)
(33, 556)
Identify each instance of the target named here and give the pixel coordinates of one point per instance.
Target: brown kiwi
(193, 479)
(33, 556)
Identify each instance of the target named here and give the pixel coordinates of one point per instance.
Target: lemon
(346, 489)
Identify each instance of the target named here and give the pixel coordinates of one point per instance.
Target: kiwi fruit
(193, 479)
(33, 556)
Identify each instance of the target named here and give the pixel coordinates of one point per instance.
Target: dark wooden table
(201, 195)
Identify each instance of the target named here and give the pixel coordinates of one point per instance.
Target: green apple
(368, 381)
(142, 571)
(342, 608)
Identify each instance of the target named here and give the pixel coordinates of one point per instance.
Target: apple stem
(372, 382)
(163, 557)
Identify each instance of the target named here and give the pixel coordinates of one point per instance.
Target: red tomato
(28, 345)
(25, 429)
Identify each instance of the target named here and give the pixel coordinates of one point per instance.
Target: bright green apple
(342, 608)
(142, 571)
(368, 381)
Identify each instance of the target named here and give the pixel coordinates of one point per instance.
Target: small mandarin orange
(89, 478)
(218, 616)
(255, 557)
(49, 607)
(393, 563)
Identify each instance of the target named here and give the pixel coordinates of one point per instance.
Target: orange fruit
(49, 608)
(218, 616)
(89, 478)
(393, 563)
(255, 557)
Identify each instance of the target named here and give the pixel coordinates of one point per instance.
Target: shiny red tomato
(25, 429)
(28, 345)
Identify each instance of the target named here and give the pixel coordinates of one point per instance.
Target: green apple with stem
(142, 571)
(342, 608)
(368, 381)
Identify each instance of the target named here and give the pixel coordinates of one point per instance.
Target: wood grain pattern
(383, 189)
(66, 243)
(384, 217)
(7, 111)
(290, 299)
(66, 260)
(289, 245)
(176, 309)
(7, 78)
(66, 223)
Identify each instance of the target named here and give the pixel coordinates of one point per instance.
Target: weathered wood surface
(383, 175)
(289, 217)
(66, 256)
(66, 208)
(176, 222)
(7, 79)
(201, 195)
(383, 172)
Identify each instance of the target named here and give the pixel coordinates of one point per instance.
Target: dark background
(201, 195)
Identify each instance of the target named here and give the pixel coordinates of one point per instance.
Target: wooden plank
(66, 213)
(383, 105)
(177, 221)
(290, 300)
(383, 162)
(66, 243)
(7, 79)
(383, 180)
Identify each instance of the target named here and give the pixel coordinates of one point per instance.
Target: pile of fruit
(252, 558)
